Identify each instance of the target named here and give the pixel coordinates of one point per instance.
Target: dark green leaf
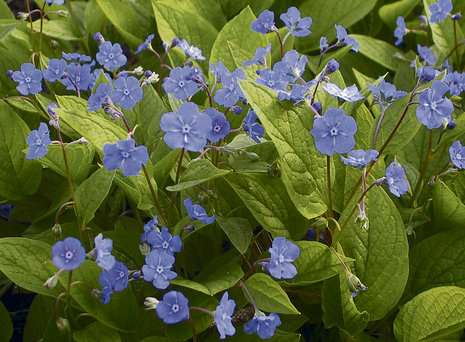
(238, 230)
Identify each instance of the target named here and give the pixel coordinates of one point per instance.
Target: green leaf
(339, 309)
(41, 309)
(235, 31)
(210, 10)
(6, 326)
(127, 242)
(431, 315)
(267, 200)
(96, 331)
(303, 168)
(162, 168)
(378, 51)
(239, 56)
(268, 295)
(449, 211)
(120, 313)
(279, 336)
(437, 261)
(18, 176)
(79, 158)
(389, 12)
(315, 263)
(380, 253)
(91, 193)
(58, 29)
(5, 12)
(28, 263)
(238, 230)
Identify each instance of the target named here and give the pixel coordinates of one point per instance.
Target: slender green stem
(340, 260)
(32, 28)
(41, 26)
(456, 44)
(173, 195)
(439, 161)
(154, 195)
(423, 170)
(328, 176)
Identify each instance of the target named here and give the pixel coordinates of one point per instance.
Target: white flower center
(69, 255)
(175, 307)
(334, 131)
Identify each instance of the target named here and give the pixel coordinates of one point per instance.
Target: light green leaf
(378, 51)
(6, 326)
(389, 12)
(303, 167)
(268, 295)
(267, 200)
(431, 315)
(18, 176)
(58, 29)
(5, 12)
(210, 10)
(449, 211)
(96, 331)
(238, 230)
(380, 253)
(239, 56)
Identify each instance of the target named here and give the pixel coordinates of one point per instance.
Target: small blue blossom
(447, 65)
(68, 254)
(331, 66)
(29, 79)
(426, 54)
(427, 73)
(98, 37)
(334, 132)
(360, 158)
(263, 325)
(110, 56)
(310, 234)
(264, 22)
(58, 2)
(386, 93)
(323, 44)
(297, 26)
(164, 242)
(297, 93)
(349, 94)
(191, 51)
(145, 45)
(231, 91)
(260, 57)
(149, 227)
(440, 10)
(76, 57)
(223, 314)
(180, 83)
(174, 308)
(118, 276)
(197, 212)
(127, 92)
(5, 210)
(400, 30)
(434, 108)
(97, 99)
(157, 269)
(253, 129)
(219, 70)
(220, 125)
(291, 66)
(187, 128)
(103, 255)
(38, 140)
(283, 253)
(395, 179)
(344, 39)
(126, 155)
(55, 69)
(107, 291)
(457, 155)
(272, 79)
(78, 77)
(456, 83)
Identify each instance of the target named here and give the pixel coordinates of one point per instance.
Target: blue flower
(118, 276)
(260, 56)
(191, 51)
(395, 179)
(5, 210)
(323, 44)
(68, 254)
(103, 255)
(149, 227)
(263, 325)
(219, 70)
(457, 155)
(426, 54)
(253, 129)
(297, 26)
(174, 308)
(282, 253)
(157, 269)
(223, 314)
(127, 92)
(220, 125)
(400, 30)
(145, 45)
(456, 83)
(180, 83)
(78, 77)
(386, 93)
(197, 212)
(164, 242)
(440, 10)
(110, 56)
(349, 94)
(38, 140)
(297, 93)
(96, 100)
(76, 57)
(427, 73)
(187, 128)
(272, 79)
(331, 66)
(360, 158)
(94, 75)
(291, 66)
(334, 132)
(58, 2)
(264, 22)
(231, 91)
(344, 39)
(29, 79)
(126, 155)
(105, 281)
(434, 108)
(55, 69)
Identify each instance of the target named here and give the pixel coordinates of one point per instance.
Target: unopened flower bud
(56, 229)
(354, 284)
(151, 303)
(136, 275)
(451, 124)
(153, 78)
(237, 109)
(53, 43)
(165, 46)
(22, 15)
(9, 73)
(457, 16)
(50, 110)
(145, 248)
(190, 228)
(274, 170)
(310, 234)
(63, 326)
(148, 73)
(52, 281)
(62, 13)
(139, 70)
(188, 63)
(175, 42)
(331, 67)
(426, 73)
(98, 37)
(317, 106)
